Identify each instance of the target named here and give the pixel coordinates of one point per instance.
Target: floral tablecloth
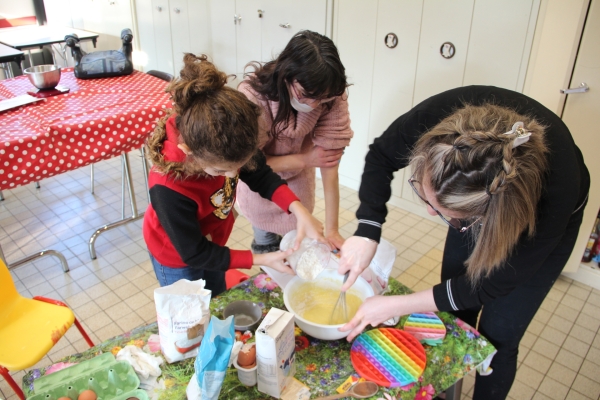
(321, 365)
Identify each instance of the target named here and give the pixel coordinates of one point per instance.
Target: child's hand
(275, 260)
(335, 240)
(307, 225)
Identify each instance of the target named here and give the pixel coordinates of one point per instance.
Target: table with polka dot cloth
(97, 120)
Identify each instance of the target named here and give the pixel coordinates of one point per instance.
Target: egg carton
(388, 356)
(108, 378)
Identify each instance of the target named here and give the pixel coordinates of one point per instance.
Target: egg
(87, 395)
(247, 356)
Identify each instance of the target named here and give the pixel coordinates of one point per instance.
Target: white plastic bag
(182, 313)
(144, 364)
(380, 269)
(377, 274)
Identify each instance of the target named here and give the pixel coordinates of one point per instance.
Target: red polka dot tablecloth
(97, 120)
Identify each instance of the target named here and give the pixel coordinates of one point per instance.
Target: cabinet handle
(583, 87)
(285, 25)
(177, 10)
(159, 8)
(236, 19)
(260, 13)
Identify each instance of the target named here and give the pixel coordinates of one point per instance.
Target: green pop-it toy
(108, 378)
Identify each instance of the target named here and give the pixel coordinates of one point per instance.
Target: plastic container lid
(310, 259)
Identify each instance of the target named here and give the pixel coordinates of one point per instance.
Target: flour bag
(182, 313)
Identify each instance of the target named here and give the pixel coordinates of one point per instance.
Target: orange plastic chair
(29, 328)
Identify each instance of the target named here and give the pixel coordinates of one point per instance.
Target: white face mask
(303, 108)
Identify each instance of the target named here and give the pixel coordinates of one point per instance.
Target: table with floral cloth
(321, 365)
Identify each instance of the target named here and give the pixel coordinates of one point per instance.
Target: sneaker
(265, 248)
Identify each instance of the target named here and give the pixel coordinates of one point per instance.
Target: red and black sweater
(189, 219)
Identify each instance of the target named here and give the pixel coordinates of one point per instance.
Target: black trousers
(504, 320)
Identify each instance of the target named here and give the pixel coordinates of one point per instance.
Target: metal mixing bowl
(246, 314)
(43, 76)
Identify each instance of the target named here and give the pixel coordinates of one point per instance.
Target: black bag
(102, 64)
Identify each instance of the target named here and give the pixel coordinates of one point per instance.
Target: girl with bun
(200, 151)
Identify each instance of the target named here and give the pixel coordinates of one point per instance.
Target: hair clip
(522, 134)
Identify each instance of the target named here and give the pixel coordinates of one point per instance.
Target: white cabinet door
(235, 28)
(92, 15)
(108, 18)
(170, 28)
(248, 33)
(282, 19)
(394, 68)
(180, 31)
(147, 45)
(249, 30)
(56, 13)
(199, 27)
(116, 16)
(354, 29)
(443, 22)
(162, 36)
(223, 35)
(500, 41)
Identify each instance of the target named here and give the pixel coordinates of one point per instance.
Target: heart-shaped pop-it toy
(389, 357)
(426, 327)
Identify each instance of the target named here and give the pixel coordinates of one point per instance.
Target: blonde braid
(507, 173)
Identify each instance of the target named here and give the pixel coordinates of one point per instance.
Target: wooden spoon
(361, 390)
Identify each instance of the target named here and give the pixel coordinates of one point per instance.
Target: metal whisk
(340, 305)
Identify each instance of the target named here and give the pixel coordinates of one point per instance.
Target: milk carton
(275, 354)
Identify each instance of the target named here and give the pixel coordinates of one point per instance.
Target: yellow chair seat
(29, 330)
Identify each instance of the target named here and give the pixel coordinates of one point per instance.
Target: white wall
(16, 8)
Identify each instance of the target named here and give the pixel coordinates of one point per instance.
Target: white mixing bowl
(329, 278)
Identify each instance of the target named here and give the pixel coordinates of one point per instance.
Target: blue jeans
(215, 280)
(265, 238)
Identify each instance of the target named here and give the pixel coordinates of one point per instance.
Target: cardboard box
(275, 352)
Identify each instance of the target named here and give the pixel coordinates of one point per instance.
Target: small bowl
(246, 314)
(329, 278)
(43, 76)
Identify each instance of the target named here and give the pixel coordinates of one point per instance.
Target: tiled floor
(559, 357)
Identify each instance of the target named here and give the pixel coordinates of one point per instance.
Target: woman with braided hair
(502, 171)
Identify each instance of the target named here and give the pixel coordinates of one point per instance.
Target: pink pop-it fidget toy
(426, 327)
(390, 357)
